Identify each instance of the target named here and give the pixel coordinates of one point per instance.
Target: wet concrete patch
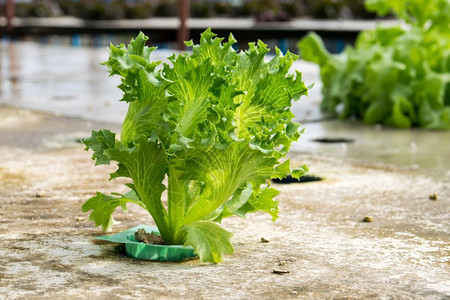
(59, 141)
(43, 131)
(421, 149)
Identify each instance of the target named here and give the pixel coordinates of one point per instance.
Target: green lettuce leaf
(103, 206)
(209, 240)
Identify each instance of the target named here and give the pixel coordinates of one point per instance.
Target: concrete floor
(47, 249)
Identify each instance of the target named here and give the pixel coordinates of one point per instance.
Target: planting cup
(144, 251)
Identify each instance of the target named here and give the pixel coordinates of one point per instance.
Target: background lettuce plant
(215, 122)
(399, 76)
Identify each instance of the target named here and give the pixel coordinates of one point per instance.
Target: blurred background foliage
(262, 10)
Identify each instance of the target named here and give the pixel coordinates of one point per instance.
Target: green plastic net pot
(144, 251)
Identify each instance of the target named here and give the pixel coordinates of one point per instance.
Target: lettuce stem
(176, 200)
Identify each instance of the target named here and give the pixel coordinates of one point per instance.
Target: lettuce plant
(211, 126)
(399, 76)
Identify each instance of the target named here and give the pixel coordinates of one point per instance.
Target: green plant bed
(399, 76)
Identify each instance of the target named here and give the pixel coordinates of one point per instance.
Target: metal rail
(165, 29)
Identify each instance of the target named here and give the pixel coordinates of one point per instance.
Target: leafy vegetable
(398, 76)
(215, 122)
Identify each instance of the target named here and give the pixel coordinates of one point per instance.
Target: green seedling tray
(144, 251)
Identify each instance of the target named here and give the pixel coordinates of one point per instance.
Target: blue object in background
(336, 46)
(283, 45)
(340, 45)
(97, 41)
(76, 40)
(43, 39)
(163, 46)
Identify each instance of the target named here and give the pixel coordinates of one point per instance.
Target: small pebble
(280, 272)
(79, 219)
(433, 196)
(294, 293)
(40, 194)
(263, 240)
(282, 263)
(367, 219)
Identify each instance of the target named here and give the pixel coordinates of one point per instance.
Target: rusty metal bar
(9, 15)
(183, 30)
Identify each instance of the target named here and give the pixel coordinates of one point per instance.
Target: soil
(319, 242)
(148, 238)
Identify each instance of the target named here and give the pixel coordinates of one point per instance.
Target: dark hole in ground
(333, 140)
(14, 79)
(63, 97)
(290, 179)
(79, 140)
